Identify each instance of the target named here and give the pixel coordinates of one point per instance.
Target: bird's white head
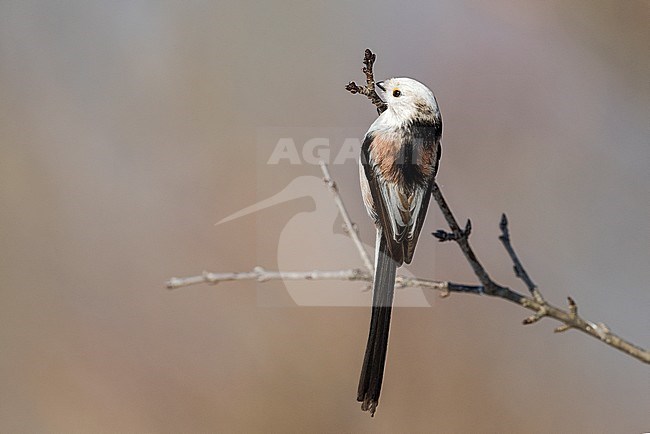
(408, 99)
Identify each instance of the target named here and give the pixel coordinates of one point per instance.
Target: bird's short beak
(380, 84)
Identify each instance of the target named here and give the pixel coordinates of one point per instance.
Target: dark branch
(443, 236)
(461, 237)
(519, 269)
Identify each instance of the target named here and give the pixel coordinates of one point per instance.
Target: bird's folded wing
(400, 212)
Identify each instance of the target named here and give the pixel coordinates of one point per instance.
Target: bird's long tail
(383, 287)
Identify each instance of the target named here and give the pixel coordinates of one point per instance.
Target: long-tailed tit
(398, 165)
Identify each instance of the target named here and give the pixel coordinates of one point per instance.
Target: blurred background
(129, 128)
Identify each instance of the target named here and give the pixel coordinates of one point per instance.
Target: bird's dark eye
(396, 93)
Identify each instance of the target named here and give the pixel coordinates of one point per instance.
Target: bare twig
(261, 275)
(461, 236)
(350, 227)
(536, 303)
(369, 89)
(518, 268)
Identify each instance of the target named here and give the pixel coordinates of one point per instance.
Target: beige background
(129, 128)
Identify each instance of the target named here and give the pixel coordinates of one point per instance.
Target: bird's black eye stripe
(396, 93)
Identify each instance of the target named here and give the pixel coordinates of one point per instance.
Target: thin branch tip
(369, 89)
(573, 306)
(456, 235)
(464, 234)
(347, 221)
(503, 224)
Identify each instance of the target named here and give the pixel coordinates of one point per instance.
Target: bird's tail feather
(372, 371)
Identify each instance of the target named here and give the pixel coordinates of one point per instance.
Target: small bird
(398, 164)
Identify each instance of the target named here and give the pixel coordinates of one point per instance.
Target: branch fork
(456, 235)
(369, 89)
